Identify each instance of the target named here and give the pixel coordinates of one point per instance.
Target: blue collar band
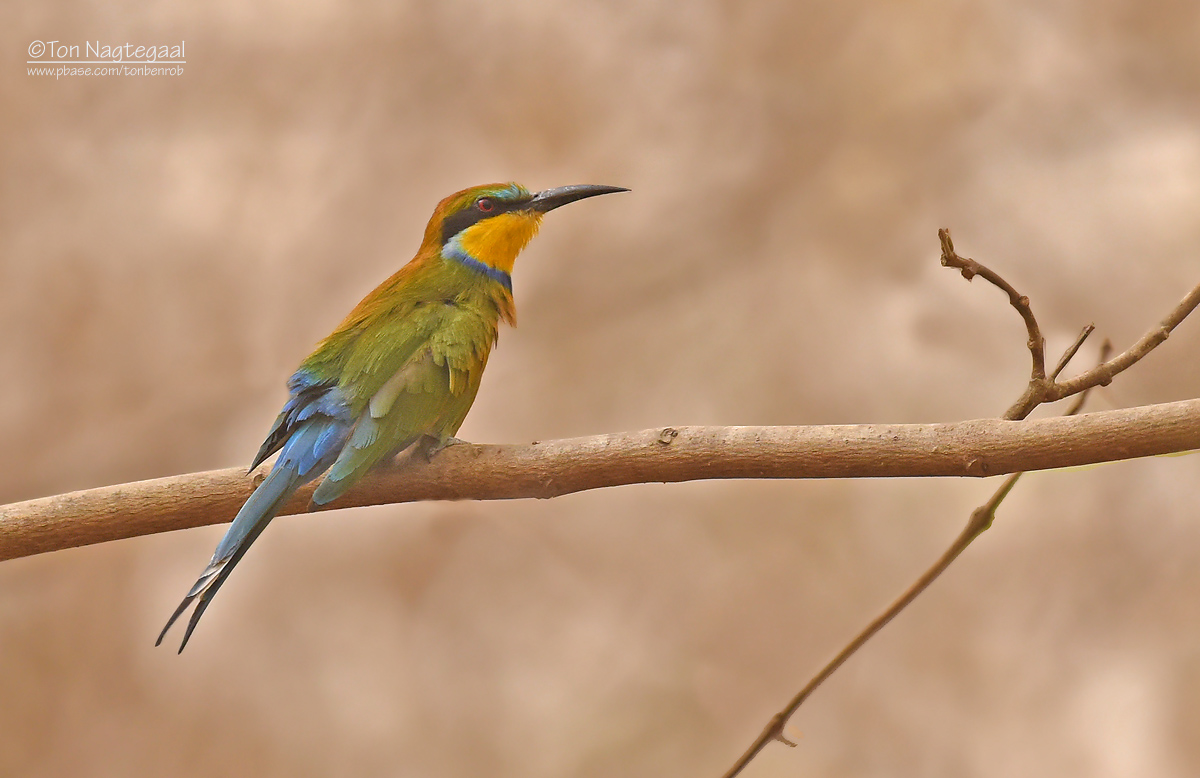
(458, 255)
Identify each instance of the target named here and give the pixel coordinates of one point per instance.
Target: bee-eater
(401, 370)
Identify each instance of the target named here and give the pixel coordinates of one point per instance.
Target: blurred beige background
(170, 248)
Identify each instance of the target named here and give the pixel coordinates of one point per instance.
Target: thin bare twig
(978, 522)
(1034, 341)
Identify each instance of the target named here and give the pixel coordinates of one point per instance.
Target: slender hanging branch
(980, 520)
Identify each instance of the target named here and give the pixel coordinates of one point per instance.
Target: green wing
(410, 376)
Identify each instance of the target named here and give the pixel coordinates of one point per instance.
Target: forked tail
(309, 451)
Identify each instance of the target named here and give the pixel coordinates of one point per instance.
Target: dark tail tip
(193, 621)
(174, 617)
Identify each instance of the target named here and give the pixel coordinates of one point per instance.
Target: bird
(400, 371)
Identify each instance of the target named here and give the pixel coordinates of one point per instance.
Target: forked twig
(1043, 389)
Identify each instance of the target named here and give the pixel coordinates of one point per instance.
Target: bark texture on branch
(977, 448)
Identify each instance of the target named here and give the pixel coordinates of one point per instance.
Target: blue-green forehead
(506, 192)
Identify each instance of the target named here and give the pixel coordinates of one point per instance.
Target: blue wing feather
(310, 398)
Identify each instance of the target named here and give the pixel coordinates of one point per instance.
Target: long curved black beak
(550, 199)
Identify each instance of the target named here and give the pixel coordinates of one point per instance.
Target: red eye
(485, 204)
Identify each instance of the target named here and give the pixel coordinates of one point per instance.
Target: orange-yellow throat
(497, 241)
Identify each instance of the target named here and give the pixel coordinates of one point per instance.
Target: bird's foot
(428, 447)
